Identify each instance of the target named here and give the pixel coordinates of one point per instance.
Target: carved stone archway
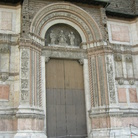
(68, 14)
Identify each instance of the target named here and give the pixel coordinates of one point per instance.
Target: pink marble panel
(4, 92)
(122, 95)
(133, 95)
(25, 124)
(120, 33)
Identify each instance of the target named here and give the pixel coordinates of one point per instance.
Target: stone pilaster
(103, 91)
(30, 110)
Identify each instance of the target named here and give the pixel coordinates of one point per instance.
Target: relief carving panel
(111, 82)
(62, 35)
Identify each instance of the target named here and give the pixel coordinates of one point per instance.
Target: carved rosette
(110, 79)
(24, 75)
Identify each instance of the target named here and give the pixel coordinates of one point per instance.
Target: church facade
(68, 69)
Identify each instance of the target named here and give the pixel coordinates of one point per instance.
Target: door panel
(65, 99)
(54, 74)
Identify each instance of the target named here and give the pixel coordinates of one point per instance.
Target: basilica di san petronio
(68, 68)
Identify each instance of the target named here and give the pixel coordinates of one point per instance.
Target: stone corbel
(81, 61)
(47, 59)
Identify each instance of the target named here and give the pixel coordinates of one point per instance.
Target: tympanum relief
(62, 35)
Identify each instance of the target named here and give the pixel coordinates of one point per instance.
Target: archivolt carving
(67, 12)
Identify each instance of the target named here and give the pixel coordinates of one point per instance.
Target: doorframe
(84, 62)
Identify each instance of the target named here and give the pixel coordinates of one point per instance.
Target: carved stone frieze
(118, 57)
(111, 82)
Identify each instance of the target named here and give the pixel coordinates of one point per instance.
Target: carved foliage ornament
(24, 74)
(111, 84)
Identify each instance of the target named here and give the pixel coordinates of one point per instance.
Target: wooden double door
(65, 99)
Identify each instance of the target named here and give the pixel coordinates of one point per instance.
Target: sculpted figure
(72, 38)
(52, 37)
(62, 39)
